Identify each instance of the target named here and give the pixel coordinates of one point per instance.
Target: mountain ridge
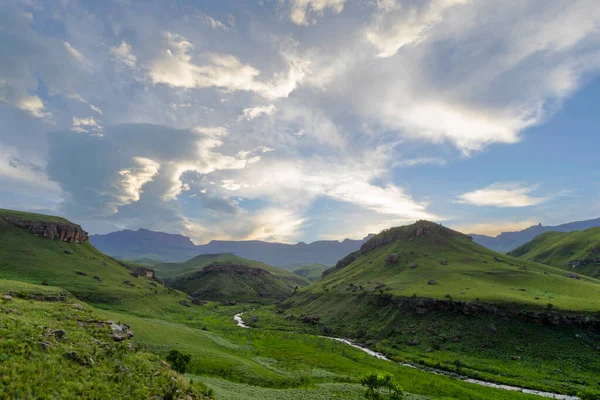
(166, 247)
(507, 241)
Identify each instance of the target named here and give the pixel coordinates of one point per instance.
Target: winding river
(240, 322)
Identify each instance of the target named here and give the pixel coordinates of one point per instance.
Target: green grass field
(559, 248)
(311, 272)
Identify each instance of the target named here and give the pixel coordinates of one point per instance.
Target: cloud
(395, 24)
(411, 162)
(124, 55)
(77, 97)
(74, 52)
(175, 67)
(255, 112)
(87, 125)
(502, 195)
(214, 23)
(34, 106)
(133, 179)
(301, 9)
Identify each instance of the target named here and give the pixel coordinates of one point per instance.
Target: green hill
(430, 261)
(311, 272)
(229, 277)
(429, 295)
(577, 251)
(76, 267)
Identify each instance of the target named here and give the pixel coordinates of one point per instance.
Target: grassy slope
(190, 277)
(473, 272)
(111, 370)
(558, 248)
(354, 302)
(311, 272)
(170, 270)
(34, 259)
(31, 216)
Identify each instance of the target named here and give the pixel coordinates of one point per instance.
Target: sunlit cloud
(502, 195)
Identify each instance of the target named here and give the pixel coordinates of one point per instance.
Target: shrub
(178, 360)
(381, 387)
(589, 395)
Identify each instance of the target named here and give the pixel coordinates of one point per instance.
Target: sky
(300, 120)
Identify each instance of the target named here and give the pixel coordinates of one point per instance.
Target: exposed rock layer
(64, 231)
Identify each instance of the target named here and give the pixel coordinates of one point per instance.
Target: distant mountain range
(144, 244)
(507, 241)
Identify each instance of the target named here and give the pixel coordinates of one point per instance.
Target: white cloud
(255, 112)
(301, 9)
(87, 125)
(133, 179)
(34, 105)
(396, 24)
(124, 54)
(214, 23)
(175, 67)
(75, 96)
(273, 224)
(74, 52)
(502, 195)
(411, 162)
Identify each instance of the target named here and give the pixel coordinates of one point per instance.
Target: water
(240, 322)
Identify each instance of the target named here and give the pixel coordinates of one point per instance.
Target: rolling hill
(31, 252)
(429, 295)
(311, 272)
(507, 241)
(229, 277)
(577, 251)
(431, 261)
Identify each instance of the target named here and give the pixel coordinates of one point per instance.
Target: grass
(31, 216)
(472, 272)
(311, 272)
(82, 362)
(558, 248)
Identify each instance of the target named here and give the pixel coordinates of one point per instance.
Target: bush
(178, 360)
(589, 395)
(381, 387)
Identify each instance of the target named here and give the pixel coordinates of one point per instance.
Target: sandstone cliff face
(52, 230)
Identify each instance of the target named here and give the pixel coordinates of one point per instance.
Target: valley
(483, 325)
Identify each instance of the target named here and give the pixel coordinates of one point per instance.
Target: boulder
(414, 342)
(431, 282)
(572, 276)
(198, 302)
(443, 262)
(83, 273)
(120, 332)
(6, 297)
(98, 278)
(311, 319)
(185, 303)
(413, 265)
(77, 306)
(68, 251)
(392, 258)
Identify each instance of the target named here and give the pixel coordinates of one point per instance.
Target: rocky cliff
(64, 231)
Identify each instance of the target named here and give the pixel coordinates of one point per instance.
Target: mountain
(507, 241)
(144, 244)
(577, 251)
(229, 277)
(428, 295)
(47, 250)
(311, 272)
(428, 260)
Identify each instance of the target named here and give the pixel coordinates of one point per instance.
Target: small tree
(381, 387)
(178, 360)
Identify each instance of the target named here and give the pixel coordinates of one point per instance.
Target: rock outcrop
(64, 231)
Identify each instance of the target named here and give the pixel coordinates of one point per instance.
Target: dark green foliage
(381, 387)
(178, 360)
(589, 395)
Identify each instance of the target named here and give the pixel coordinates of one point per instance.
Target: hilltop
(229, 277)
(149, 245)
(577, 251)
(430, 261)
(507, 241)
(31, 252)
